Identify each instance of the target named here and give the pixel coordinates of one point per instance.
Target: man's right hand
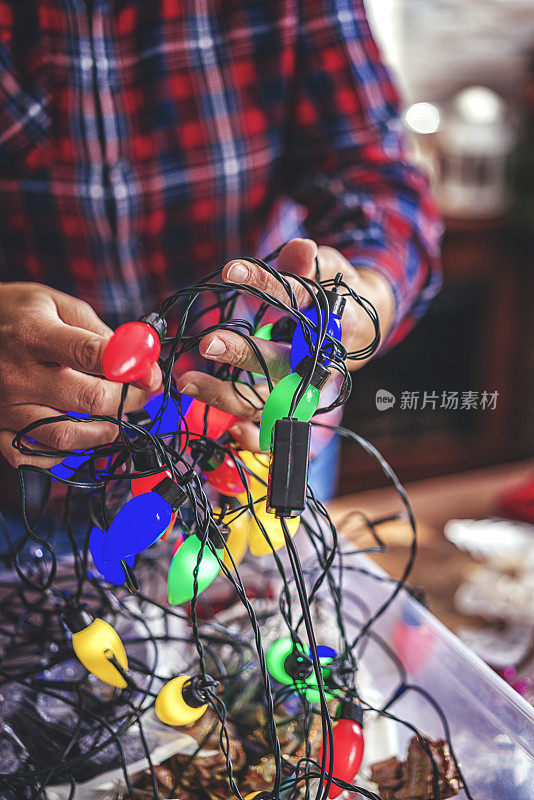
(51, 349)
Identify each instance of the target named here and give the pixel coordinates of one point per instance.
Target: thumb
(80, 314)
(298, 256)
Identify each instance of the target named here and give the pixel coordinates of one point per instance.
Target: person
(145, 144)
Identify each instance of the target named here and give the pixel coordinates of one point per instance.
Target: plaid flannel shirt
(143, 143)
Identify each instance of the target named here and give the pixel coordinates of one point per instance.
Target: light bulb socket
(333, 678)
(283, 329)
(207, 454)
(194, 690)
(77, 619)
(288, 468)
(140, 418)
(320, 372)
(186, 477)
(298, 665)
(351, 711)
(336, 302)
(155, 321)
(173, 494)
(218, 535)
(146, 457)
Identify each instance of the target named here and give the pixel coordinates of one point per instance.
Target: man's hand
(51, 349)
(298, 257)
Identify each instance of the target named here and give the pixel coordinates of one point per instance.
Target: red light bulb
(146, 483)
(413, 641)
(217, 423)
(147, 459)
(131, 352)
(180, 539)
(348, 746)
(164, 536)
(226, 478)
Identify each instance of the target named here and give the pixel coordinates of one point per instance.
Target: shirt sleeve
(346, 162)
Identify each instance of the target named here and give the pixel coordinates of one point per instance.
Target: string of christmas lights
(149, 621)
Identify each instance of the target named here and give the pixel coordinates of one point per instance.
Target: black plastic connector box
(288, 468)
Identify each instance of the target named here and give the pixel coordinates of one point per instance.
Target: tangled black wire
(61, 726)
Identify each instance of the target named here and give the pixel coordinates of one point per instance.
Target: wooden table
(440, 566)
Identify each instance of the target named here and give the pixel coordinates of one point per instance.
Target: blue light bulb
(170, 418)
(70, 464)
(299, 347)
(138, 524)
(142, 521)
(325, 655)
(324, 651)
(111, 571)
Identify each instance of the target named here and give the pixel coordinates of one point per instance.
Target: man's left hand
(297, 257)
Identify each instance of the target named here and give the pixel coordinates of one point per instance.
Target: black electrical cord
(36, 646)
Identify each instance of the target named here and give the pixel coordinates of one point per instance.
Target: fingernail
(216, 347)
(191, 389)
(236, 431)
(238, 272)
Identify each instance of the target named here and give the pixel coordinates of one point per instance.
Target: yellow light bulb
(258, 463)
(171, 707)
(237, 542)
(94, 644)
(258, 544)
(262, 794)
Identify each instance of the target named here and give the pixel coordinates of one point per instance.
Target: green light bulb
(275, 658)
(180, 578)
(279, 402)
(311, 691)
(264, 332)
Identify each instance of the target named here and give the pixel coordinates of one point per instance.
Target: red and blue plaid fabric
(143, 143)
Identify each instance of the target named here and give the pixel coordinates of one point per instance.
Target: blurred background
(466, 71)
(456, 419)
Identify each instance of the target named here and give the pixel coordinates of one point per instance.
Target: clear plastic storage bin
(492, 727)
